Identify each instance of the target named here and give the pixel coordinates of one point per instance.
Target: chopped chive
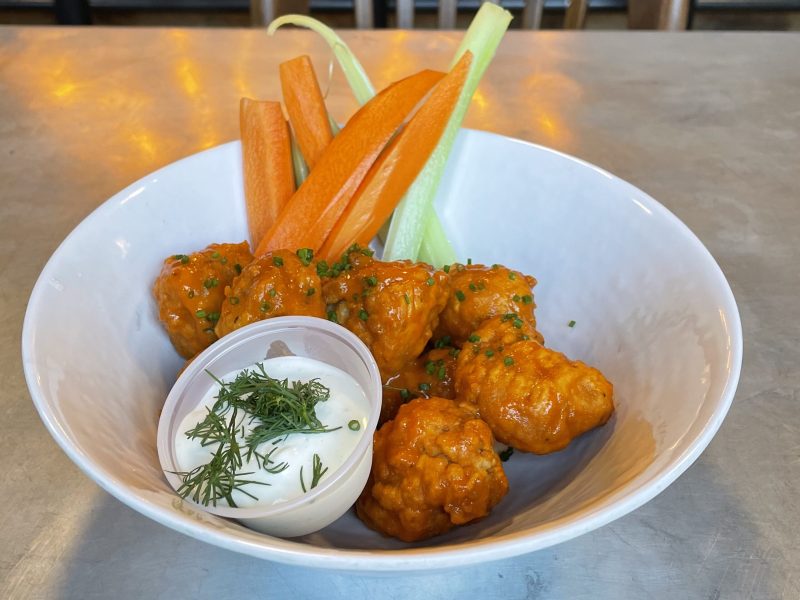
(442, 373)
(223, 260)
(215, 255)
(489, 353)
(524, 337)
(305, 255)
(506, 454)
(363, 315)
(213, 317)
(527, 299)
(512, 276)
(517, 322)
(372, 281)
(454, 352)
(200, 314)
(473, 287)
(310, 291)
(406, 298)
(190, 293)
(332, 316)
(446, 268)
(474, 338)
(516, 297)
(442, 342)
(430, 367)
(354, 425)
(425, 387)
(322, 268)
(460, 295)
(265, 306)
(405, 394)
(430, 281)
(277, 261)
(181, 257)
(272, 292)
(233, 300)
(238, 268)
(469, 261)
(571, 324)
(211, 283)
(508, 361)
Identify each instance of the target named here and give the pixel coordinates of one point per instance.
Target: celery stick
(409, 220)
(298, 162)
(436, 249)
(353, 71)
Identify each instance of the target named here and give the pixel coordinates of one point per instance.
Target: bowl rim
(625, 499)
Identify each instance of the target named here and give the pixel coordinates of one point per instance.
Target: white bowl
(307, 337)
(651, 308)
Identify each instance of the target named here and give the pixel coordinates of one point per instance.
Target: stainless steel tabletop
(707, 123)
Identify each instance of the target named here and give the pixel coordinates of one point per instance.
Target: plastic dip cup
(307, 337)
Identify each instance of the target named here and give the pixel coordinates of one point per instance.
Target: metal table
(707, 123)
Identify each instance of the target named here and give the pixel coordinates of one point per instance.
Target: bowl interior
(650, 307)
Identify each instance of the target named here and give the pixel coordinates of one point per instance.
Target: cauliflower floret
(533, 398)
(190, 290)
(478, 292)
(434, 467)
(392, 306)
(276, 284)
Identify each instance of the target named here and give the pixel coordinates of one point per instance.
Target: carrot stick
(266, 162)
(306, 108)
(398, 166)
(313, 210)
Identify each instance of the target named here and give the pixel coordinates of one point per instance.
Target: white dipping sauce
(347, 402)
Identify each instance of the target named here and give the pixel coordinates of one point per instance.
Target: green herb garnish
(316, 473)
(276, 408)
(306, 255)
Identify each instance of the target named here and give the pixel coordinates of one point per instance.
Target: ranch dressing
(347, 402)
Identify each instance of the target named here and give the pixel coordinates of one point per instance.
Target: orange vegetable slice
(306, 108)
(266, 163)
(314, 209)
(397, 167)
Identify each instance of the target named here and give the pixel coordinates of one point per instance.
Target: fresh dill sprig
(275, 407)
(316, 473)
